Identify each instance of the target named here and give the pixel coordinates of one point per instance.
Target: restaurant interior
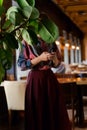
(71, 19)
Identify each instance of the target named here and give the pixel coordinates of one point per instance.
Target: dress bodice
(31, 51)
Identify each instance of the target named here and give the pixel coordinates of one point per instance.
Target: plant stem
(24, 23)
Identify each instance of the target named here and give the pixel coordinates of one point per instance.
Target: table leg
(80, 106)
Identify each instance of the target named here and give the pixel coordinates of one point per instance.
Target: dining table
(78, 82)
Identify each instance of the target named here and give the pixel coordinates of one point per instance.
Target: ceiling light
(67, 44)
(57, 42)
(77, 48)
(73, 47)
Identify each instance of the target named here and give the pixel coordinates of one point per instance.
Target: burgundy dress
(45, 108)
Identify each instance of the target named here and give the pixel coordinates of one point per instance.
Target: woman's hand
(55, 59)
(46, 56)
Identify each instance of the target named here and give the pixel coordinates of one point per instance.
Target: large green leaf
(17, 15)
(6, 58)
(22, 3)
(14, 15)
(16, 18)
(31, 2)
(10, 10)
(35, 14)
(26, 36)
(48, 30)
(6, 25)
(10, 29)
(1, 2)
(30, 36)
(26, 11)
(2, 71)
(2, 10)
(7, 62)
(2, 54)
(34, 25)
(11, 41)
(33, 37)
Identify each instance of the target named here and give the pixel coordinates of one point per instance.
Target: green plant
(22, 22)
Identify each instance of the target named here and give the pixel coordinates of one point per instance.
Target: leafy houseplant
(22, 22)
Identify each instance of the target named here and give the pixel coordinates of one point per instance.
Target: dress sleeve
(24, 61)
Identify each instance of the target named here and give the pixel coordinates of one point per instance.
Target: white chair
(15, 94)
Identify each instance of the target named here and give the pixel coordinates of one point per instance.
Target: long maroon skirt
(44, 104)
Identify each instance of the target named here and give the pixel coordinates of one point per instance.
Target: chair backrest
(15, 94)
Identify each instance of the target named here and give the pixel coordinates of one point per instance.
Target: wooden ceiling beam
(76, 11)
(76, 8)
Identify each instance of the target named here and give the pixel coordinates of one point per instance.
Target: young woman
(44, 104)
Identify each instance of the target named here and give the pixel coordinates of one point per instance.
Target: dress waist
(41, 66)
(46, 67)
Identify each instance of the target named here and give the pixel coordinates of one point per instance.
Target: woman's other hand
(45, 56)
(55, 59)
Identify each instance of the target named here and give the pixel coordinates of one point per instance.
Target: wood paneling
(76, 10)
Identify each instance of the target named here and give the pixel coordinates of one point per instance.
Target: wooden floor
(18, 122)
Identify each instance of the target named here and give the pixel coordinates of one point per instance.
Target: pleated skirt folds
(45, 107)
